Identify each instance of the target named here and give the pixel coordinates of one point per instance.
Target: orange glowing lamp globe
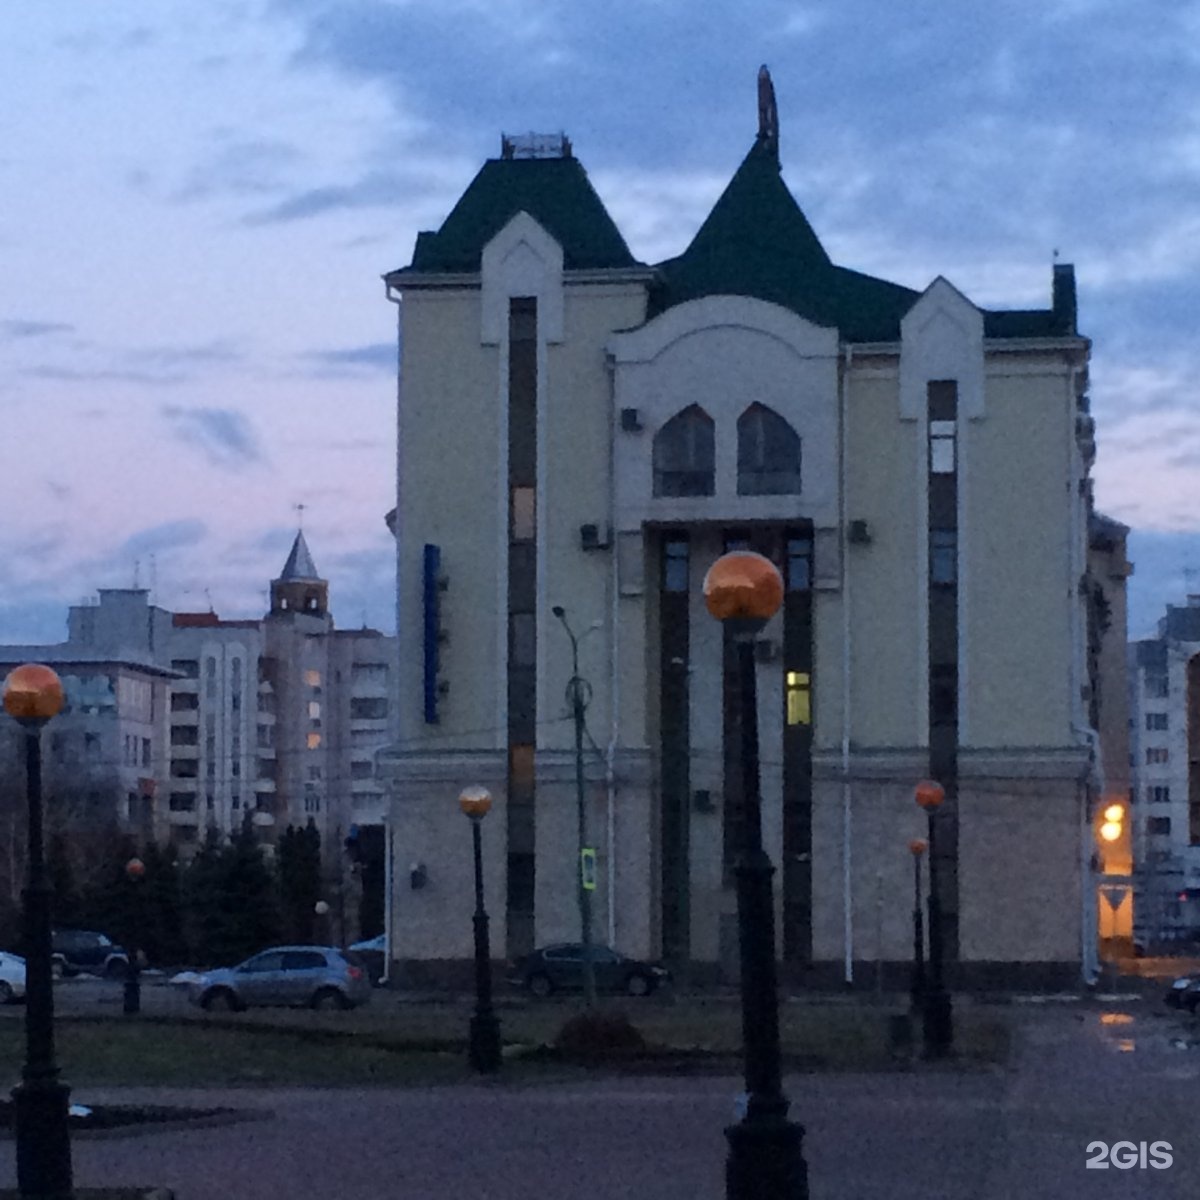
(930, 794)
(135, 869)
(918, 846)
(743, 587)
(33, 692)
(475, 802)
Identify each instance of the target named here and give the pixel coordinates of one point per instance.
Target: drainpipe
(1089, 951)
(614, 683)
(847, 823)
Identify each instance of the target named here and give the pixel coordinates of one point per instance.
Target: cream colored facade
(1026, 907)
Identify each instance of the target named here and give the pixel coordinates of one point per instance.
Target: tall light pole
(135, 871)
(484, 1044)
(579, 693)
(743, 591)
(32, 695)
(937, 1025)
(918, 846)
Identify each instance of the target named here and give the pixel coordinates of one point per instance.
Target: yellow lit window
(312, 678)
(314, 741)
(799, 698)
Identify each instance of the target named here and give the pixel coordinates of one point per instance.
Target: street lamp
(32, 695)
(743, 591)
(321, 908)
(918, 846)
(937, 1025)
(484, 1045)
(578, 694)
(135, 871)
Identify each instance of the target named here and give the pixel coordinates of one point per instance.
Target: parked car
(296, 976)
(73, 951)
(1184, 992)
(12, 977)
(560, 967)
(373, 953)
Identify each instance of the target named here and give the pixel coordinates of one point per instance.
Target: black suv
(76, 950)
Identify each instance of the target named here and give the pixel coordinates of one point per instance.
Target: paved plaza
(1082, 1073)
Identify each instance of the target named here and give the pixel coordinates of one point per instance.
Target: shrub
(593, 1037)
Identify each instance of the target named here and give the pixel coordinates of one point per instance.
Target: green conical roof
(556, 192)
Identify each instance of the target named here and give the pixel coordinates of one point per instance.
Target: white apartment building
(581, 430)
(273, 721)
(1164, 707)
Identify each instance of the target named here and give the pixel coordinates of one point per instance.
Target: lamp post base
(937, 1026)
(43, 1139)
(483, 1049)
(765, 1160)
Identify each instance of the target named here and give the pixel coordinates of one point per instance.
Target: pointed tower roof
(299, 563)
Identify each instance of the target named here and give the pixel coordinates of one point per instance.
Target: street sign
(587, 868)
(1114, 893)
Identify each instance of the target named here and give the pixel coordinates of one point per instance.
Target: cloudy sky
(197, 202)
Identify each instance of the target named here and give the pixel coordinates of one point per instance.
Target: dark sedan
(560, 968)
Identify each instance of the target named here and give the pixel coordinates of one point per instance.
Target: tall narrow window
(685, 455)
(768, 454)
(943, 557)
(942, 450)
(799, 698)
(522, 528)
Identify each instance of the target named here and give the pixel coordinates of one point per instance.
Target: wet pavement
(1083, 1073)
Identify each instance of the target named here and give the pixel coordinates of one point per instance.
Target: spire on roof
(768, 113)
(299, 563)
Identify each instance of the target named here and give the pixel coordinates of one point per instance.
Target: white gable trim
(521, 260)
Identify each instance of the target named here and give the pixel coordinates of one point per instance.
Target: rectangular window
(523, 517)
(91, 746)
(943, 557)
(185, 735)
(1157, 755)
(184, 768)
(799, 564)
(1158, 794)
(145, 752)
(314, 709)
(189, 668)
(799, 698)
(182, 802)
(266, 736)
(942, 447)
(520, 773)
(522, 643)
(368, 708)
(312, 678)
(362, 769)
(1156, 721)
(1159, 826)
(266, 769)
(313, 741)
(675, 565)
(1157, 686)
(184, 701)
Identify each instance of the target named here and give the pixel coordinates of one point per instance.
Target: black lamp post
(32, 695)
(765, 1160)
(484, 1045)
(135, 871)
(918, 846)
(937, 1025)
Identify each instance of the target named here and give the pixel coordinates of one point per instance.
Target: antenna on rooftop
(208, 597)
(300, 513)
(137, 566)
(153, 576)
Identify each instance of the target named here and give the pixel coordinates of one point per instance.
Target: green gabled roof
(757, 242)
(556, 192)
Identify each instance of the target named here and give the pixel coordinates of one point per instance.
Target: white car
(12, 977)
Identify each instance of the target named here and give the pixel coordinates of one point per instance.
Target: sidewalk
(1081, 1074)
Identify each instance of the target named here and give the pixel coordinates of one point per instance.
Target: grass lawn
(422, 1044)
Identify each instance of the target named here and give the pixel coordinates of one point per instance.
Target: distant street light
(484, 1043)
(135, 872)
(32, 695)
(937, 1026)
(743, 591)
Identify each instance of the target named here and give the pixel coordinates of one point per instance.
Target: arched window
(768, 454)
(685, 455)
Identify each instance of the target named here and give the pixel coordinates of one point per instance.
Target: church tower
(299, 589)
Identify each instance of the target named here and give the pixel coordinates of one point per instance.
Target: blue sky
(199, 202)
